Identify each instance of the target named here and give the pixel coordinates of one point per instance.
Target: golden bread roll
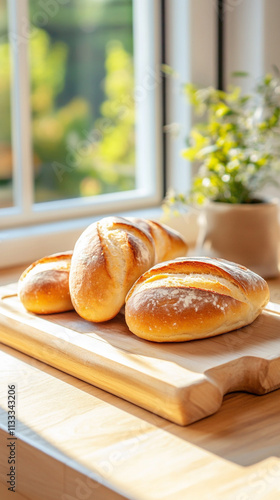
(43, 287)
(193, 298)
(169, 244)
(108, 258)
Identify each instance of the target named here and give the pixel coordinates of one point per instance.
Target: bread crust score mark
(169, 244)
(108, 258)
(187, 299)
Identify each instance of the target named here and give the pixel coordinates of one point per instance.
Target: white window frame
(254, 27)
(191, 50)
(188, 53)
(148, 137)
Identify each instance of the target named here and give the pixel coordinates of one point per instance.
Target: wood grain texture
(5, 495)
(40, 477)
(181, 382)
(80, 443)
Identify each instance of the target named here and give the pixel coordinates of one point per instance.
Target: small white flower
(206, 182)
(226, 178)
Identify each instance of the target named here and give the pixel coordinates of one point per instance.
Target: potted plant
(236, 144)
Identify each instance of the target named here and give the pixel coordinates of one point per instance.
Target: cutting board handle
(249, 373)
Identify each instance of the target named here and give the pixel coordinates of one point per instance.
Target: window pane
(6, 158)
(81, 54)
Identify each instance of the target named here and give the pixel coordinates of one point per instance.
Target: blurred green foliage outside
(80, 147)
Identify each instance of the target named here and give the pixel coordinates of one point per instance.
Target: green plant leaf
(240, 74)
(236, 141)
(168, 70)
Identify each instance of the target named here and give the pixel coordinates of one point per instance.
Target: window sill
(27, 244)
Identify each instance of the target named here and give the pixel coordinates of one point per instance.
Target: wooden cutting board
(182, 382)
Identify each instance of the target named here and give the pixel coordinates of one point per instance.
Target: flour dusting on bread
(187, 299)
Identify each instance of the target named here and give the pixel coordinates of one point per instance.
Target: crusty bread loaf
(108, 258)
(193, 298)
(169, 244)
(43, 287)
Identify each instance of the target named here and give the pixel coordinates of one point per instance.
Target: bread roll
(169, 244)
(193, 298)
(43, 287)
(108, 258)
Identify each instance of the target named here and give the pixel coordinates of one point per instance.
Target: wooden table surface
(77, 442)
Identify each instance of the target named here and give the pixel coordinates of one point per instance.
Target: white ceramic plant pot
(246, 234)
